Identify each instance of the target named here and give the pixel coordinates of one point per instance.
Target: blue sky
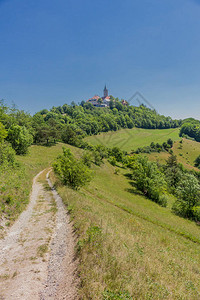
(57, 51)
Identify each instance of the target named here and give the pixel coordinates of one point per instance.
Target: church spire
(105, 91)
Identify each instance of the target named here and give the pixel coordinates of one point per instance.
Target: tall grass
(129, 247)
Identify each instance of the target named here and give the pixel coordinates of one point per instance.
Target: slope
(129, 247)
(129, 139)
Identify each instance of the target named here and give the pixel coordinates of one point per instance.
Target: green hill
(129, 247)
(131, 139)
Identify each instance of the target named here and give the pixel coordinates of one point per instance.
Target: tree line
(71, 123)
(191, 128)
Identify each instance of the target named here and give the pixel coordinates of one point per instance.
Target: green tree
(197, 162)
(3, 132)
(100, 101)
(188, 196)
(149, 179)
(72, 172)
(7, 154)
(20, 138)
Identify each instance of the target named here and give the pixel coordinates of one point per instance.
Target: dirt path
(37, 254)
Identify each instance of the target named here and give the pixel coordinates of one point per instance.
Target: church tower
(105, 91)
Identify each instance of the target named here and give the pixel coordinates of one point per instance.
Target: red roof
(96, 97)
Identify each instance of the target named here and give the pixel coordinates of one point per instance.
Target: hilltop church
(100, 101)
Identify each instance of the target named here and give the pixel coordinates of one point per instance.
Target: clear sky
(57, 51)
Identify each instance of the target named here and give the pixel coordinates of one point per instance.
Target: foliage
(188, 196)
(173, 172)
(165, 146)
(87, 158)
(76, 121)
(98, 160)
(3, 132)
(149, 179)
(20, 138)
(197, 162)
(191, 128)
(72, 172)
(7, 154)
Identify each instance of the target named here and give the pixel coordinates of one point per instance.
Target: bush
(163, 200)
(20, 138)
(196, 213)
(149, 179)
(188, 196)
(87, 158)
(72, 172)
(97, 158)
(197, 162)
(112, 160)
(7, 154)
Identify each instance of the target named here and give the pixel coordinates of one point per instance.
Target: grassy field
(186, 153)
(131, 139)
(128, 246)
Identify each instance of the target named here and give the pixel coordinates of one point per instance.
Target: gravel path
(37, 254)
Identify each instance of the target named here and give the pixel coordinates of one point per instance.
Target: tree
(20, 138)
(7, 154)
(170, 143)
(197, 162)
(188, 196)
(3, 132)
(72, 172)
(149, 179)
(172, 172)
(100, 101)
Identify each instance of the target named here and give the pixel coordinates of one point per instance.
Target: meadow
(186, 153)
(131, 139)
(128, 246)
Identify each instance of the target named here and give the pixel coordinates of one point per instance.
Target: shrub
(72, 172)
(163, 200)
(97, 158)
(149, 179)
(112, 160)
(188, 196)
(87, 158)
(20, 138)
(7, 154)
(196, 213)
(197, 162)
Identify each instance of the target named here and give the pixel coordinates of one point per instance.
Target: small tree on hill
(197, 162)
(72, 172)
(20, 138)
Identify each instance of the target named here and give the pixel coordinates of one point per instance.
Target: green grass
(186, 153)
(128, 246)
(131, 139)
(16, 183)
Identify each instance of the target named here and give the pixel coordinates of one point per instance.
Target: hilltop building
(100, 101)
(103, 101)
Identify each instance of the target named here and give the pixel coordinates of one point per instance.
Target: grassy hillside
(16, 183)
(128, 246)
(186, 153)
(131, 139)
